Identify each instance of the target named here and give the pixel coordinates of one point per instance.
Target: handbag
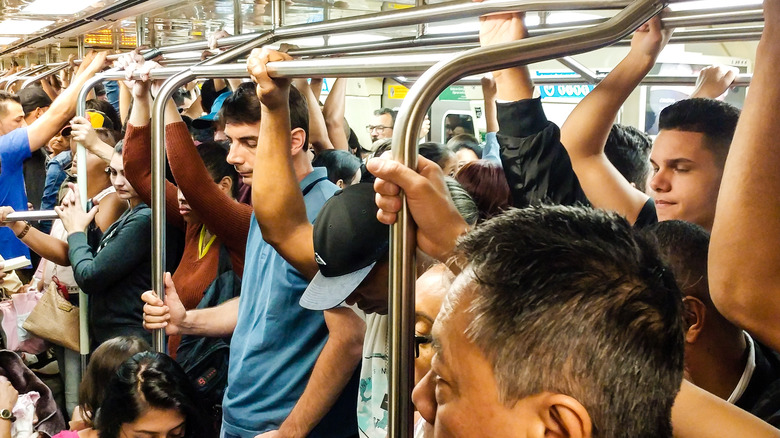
(15, 310)
(55, 319)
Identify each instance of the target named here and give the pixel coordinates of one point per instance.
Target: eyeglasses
(420, 340)
(378, 128)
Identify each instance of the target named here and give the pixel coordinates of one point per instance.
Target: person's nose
(424, 397)
(233, 156)
(660, 181)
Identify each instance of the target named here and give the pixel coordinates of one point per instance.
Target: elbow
(353, 350)
(352, 344)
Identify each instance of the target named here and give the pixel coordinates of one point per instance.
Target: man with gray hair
(563, 320)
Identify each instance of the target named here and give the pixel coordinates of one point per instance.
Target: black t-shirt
(647, 215)
(762, 395)
(536, 164)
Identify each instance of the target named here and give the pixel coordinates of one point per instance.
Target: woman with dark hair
(150, 395)
(103, 363)
(439, 154)
(343, 167)
(114, 270)
(486, 183)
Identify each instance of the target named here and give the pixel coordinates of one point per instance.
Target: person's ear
(695, 314)
(340, 183)
(564, 416)
(298, 140)
(226, 185)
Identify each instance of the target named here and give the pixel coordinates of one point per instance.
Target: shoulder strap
(308, 188)
(225, 264)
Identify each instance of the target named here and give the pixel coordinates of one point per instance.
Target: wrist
(21, 229)
(641, 62)
(286, 430)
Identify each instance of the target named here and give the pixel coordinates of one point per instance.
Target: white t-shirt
(372, 402)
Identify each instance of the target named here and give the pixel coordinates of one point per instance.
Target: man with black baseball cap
(35, 102)
(351, 249)
(349, 242)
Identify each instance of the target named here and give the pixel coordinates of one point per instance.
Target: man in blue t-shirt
(292, 371)
(18, 142)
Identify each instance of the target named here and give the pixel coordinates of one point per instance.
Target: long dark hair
(105, 360)
(150, 380)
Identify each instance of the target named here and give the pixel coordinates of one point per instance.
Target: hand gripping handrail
(404, 149)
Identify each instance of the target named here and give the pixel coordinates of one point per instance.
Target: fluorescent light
(4, 41)
(712, 4)
(22, 27)
(56, 7)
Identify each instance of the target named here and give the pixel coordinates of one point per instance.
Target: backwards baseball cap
(348, 242)
(204, 122)
(32, 98)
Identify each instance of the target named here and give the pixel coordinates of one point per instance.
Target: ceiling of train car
(176, 23)
(166, 22)
(20, 19)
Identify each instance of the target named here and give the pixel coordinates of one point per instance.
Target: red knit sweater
(223, 216)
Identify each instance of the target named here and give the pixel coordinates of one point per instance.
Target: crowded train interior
(389, 218)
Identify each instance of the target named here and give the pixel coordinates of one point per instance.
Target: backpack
(204, 359)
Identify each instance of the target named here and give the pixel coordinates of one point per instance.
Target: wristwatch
(5, 414)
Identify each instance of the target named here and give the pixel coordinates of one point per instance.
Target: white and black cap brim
(325, 293)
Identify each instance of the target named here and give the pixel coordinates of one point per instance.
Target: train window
(456, 122)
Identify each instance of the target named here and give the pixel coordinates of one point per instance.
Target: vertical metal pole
(422, 28)
(80, 47)
(238, 18)
(139, 30)
(276, 14)
(325, 17)
(47, 53)
(116, 35)
(81, 153)
(152, 32)
(158, 166)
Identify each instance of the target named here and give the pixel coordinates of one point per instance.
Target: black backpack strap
(225, 263)
(308, 188)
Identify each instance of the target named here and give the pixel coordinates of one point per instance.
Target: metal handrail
(19, 73)
(54, 68)
(10, 80)
(404, 148)
(405, 17)
(401, 305)
(740, 14)
(715, 16)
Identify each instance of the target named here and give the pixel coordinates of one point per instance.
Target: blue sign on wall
(565, 91)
